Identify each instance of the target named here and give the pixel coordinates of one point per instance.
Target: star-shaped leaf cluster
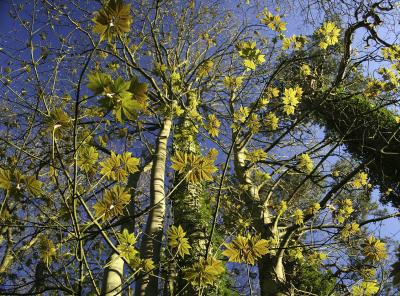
(126, 98)
(113, 19)
(126, 246)
(196, 167)
(246, 249)
(374, 249)
(118, 166)
(18, 183)
(178, 241)
(204, 272)
(87, 158)
(252, 56)
(112, 204)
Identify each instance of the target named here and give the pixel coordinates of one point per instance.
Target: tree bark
(113, 274)
(152, 236)
(188, 203)
(271, 276)
(271, 271)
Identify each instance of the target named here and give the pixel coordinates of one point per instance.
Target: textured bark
(151, 242)
(187, 211)
(368, 131)
(271, 276)
(270, 268)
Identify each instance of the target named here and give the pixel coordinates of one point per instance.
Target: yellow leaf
(204, 272)
(113, 19)
(126, 246)
(87, 157)
(298, 217)
(112, 204)
(367, 288)
(305, 163)
(246, 249)
(271, 121)
(196, 167)
(178, 241)
(329, 34)
(360, 180)
(374, 249)
(212, 125)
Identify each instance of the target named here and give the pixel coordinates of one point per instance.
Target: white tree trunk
(113, 274)
(151, 241)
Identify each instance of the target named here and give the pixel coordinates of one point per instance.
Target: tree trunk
(270, 269)
(271, 276)
(152, 236)
(113, 274)
(368, 131)
(189, 212)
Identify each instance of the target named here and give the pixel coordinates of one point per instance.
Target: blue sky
(5, 20)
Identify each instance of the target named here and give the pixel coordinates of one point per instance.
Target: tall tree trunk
(113, 274)
(270, 268)
(271, 276)
(152, 236)
(188, 211)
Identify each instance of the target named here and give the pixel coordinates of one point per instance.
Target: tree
(171, 147)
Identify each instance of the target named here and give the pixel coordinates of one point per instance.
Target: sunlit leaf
(198, 168)
(204, 272)
(246, 249)
(33, 186)
(374, 249)
(126, 246)
(113, 19)
(112, 204)
(98, 82)
(5, 179)
(178, 241)
(87, 158)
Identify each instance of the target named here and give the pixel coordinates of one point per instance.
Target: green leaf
(126, 245)
(112, 204)
(198, 168)
(98, 82)
(33, 186)
(87, 158)
(124, 98)
(126, 238)
(249, 64)
(59, 116)
(5, 179)
(367, 288)
(129, 109)
(138, 90)
(178, 241)
(112, 168)
(246, 249)
(204, 272)
(113, 19)
(47, 250)
(131, 163)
